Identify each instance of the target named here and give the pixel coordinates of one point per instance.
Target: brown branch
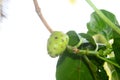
(38, 11)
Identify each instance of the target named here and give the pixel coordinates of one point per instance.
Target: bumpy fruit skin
(57, 43)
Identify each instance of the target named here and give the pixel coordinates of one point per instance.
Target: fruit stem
(38, 11)
(112, 25)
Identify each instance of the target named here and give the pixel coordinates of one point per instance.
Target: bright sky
(23, 37)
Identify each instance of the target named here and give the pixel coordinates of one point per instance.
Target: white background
(23, 37)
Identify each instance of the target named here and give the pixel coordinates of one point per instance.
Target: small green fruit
(57, 43)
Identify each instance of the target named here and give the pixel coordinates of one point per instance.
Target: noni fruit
(57, 43)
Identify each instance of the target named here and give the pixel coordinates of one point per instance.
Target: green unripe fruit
(57, 43)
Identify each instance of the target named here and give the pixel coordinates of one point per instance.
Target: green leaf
(96, 60)
(96, 68)
(73, 38)
(72, 67)
(116, 46)
(100, 73)
(88, 42)
(87, 46)
(88, 38)
(98, 26)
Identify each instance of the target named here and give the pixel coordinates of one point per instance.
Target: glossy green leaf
(97, 26)
(87, 46)
(73, 38)
(88, 38)
(72, 67)
(96, 68)
(116, 46)
(100, 73)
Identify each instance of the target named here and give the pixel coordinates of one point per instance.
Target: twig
(38, 11)
(89, 52)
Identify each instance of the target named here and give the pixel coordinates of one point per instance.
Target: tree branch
(38, 11)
